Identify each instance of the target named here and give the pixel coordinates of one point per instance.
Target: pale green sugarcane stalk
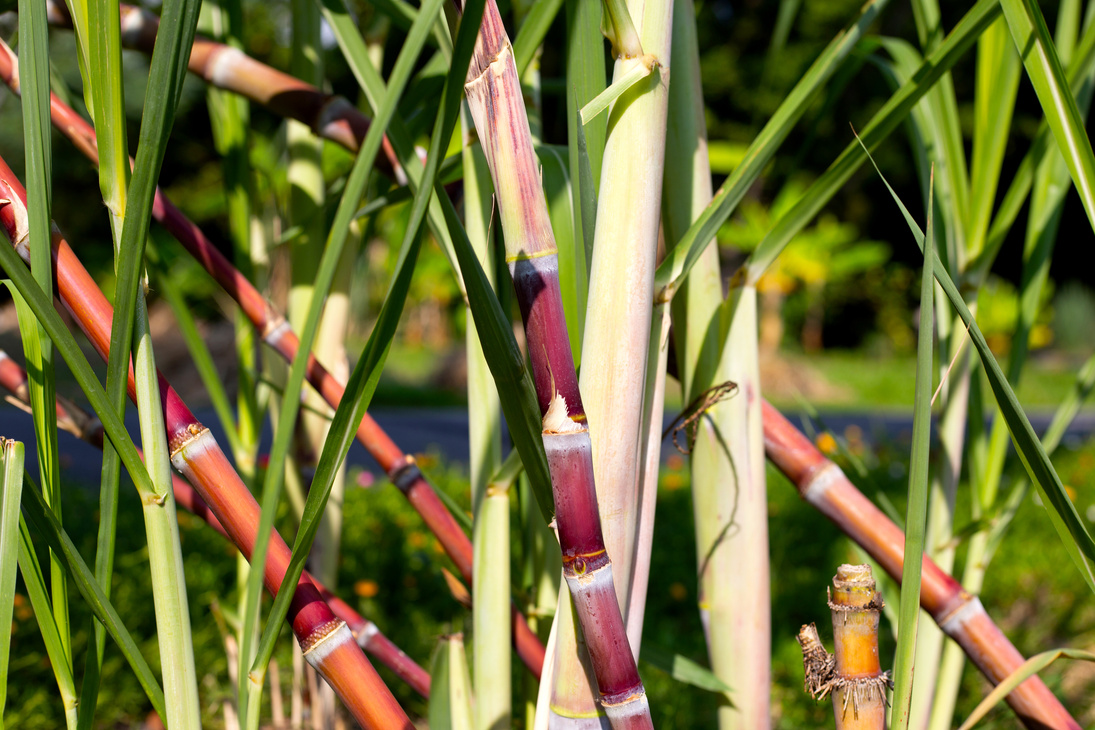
(158, 506)
(938, 542)
(180, 681)
(618, 327)
(621, 289)
(490, 537)
(727, 458)
(491, 608)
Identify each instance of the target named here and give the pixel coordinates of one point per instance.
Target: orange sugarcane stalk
(959, 614)
(325, 639)
(14, 379)
(275, 331)
(859, 694)
(497, 106)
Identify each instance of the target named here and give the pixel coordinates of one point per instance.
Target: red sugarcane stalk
(959, 614)
(497, 105)
(14, 379)
(328, 116)
(325, 639)
(276, 332)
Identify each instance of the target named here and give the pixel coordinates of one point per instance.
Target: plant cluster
(590, 276)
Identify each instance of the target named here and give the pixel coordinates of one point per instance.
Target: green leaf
(1028, 30)
(1062, 512)
(356, 54)
(994, 103)
(532, 31)
(684, 254)
(74, 357)
(11, 490)
(38, 153)
(1080, 69)
(363, 381)
(916, 515)
(587, 224)
(35, 584)
(683, 669)
(632, 76)
(884, 121)
(203, 360)
(555, 176)
(1026, 670)
(504, 358)
(168, 69)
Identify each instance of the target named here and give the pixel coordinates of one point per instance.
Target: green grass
(859, 382)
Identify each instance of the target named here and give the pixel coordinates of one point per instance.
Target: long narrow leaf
(532, 32)
(1062, 512)
(11, 490)
(916, 515)
(884, 121)
(46, 524)
(34, 84)
(363, 381)
(1028, 669)
(701, 233)
(1028, 29)
(35, 584)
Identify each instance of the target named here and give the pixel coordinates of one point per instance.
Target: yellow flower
(366, 588)
(826, 443)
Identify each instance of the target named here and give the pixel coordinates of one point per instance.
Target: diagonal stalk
(961, 616)
(87, 428)
(327, 642)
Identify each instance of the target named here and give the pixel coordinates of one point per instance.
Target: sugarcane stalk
(621, 290)
(726, 453)
(491, 636)
(368, 636)
(279, 336)
(853, 675)
(327, 642)
(494, 96)
(859, 694)
(959, 614)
